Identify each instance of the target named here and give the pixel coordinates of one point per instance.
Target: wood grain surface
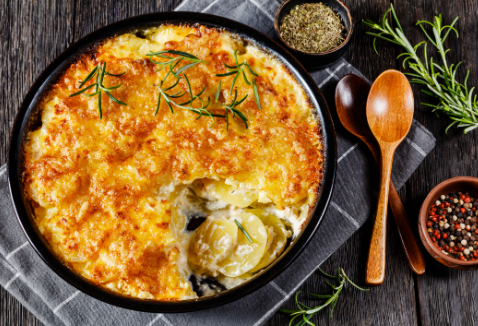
(34, 32)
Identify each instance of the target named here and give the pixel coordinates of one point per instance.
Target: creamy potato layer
(153, 206)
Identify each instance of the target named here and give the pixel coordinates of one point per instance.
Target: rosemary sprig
(307, 312)
(240, 70)
(232, 108)
(455, 99)
(248, 237)
(200, 111)
(172, 62)
(100, 72)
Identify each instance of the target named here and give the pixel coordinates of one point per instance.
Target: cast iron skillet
(28, 118)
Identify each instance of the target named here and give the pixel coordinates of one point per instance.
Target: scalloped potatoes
(137, 202)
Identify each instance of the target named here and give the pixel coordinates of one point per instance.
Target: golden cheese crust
(96, 184)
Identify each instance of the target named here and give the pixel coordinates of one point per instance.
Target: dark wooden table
(33, 33)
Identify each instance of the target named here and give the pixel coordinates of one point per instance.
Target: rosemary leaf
(245, 77)
(231, 67)
(218, 92)
(118, 75)
(114, 99)
(256, 94)
(82, 91)
(325, 274)
(227, 73)
(100, 111)
(233, 82)
(353, 284)
(252, 71)
(157, 106)
(180, 70)
(248, 237)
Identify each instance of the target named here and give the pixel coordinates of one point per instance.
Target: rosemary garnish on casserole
(238, 70)
(100, 73)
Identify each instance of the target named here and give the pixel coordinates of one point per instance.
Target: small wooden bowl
(463, 184)
(321, 59)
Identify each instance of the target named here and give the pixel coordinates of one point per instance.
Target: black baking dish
(28, 119)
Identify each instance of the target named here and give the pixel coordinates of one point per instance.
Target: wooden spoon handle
(409, 241)
(375, 271)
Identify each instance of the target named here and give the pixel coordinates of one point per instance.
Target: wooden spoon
(351, 102)
(389, 115)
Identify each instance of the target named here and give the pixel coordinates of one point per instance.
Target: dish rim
(57, 67)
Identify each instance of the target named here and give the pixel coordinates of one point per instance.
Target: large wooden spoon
(351, 101)
(389, 115)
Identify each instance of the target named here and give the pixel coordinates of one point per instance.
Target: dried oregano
(313, 27)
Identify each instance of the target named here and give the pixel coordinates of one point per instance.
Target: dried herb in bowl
(313, 28)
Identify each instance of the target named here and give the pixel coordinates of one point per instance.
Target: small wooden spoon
(389, 115)
(351, 102)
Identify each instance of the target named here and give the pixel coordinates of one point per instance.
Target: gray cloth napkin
(54, 302)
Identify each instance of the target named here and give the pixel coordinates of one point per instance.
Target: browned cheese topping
(102, 189)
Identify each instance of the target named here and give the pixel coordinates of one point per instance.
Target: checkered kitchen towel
(55, 302)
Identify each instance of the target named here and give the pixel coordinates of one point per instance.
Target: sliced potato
(275, 229)
(237, 197)
(212, 241)
(246, 255)
(178, 222)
